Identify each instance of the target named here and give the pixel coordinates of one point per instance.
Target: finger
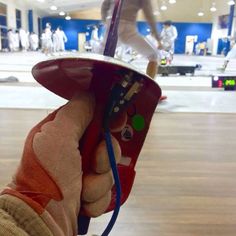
(78, 112)
(97, 208)
(69, 124)
(101, 163)
(71, 120)
(96, 186)
(74, 72)
(56, 143)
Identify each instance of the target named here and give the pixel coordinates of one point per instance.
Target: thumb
(56, 145)
(78, 112)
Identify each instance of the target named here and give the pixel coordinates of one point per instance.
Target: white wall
(223, 9)
(35, 20)
(12, 5)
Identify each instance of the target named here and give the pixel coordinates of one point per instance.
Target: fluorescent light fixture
(172, 1)
(163, 7)
(68, 17)
(213, 9)
(231, 2)
(41, 0)
(156, 13)
(53, 8)
(62, 13)
(200, 13)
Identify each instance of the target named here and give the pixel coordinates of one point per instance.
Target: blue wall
(30, 21)
(3, 20)
(223, 46)
(203, 30)
(73, 27)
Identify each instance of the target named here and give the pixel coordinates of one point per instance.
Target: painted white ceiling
(183, 10)
(63, 5)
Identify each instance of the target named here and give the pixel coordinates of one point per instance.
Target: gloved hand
(159, 45)
(49, 177)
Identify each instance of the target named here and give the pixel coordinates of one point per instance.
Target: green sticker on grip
(138, 122)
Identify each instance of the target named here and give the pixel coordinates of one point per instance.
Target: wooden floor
(186, 174)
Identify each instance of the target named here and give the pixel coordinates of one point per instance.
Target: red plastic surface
(67, 76)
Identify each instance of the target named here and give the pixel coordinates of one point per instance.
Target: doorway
(81, 42)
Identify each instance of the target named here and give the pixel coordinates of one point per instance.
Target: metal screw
(116, 109)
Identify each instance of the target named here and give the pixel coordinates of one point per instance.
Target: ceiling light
(231, 2)
(213, 9)
(172, 1)
(53, 8)
(68, 17)
(200, 13)
(163, 7)
(62, 13)
(156, 13)
(41, 0)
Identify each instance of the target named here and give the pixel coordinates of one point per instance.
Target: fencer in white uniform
(55, 41)
(127, 31)
(61, 39)
(43, 41)
(168, 36)
(16, 40)
(13, 40)
(34, 41)
(95, 41)
(10, 37)
(230, 55)
(24, 39)
(48, 39)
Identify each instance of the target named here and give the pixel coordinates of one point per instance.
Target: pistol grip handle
(88, 143)
(83, 224)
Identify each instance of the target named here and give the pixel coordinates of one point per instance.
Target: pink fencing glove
(49, 177)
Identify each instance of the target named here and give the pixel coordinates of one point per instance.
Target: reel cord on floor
(112, 160)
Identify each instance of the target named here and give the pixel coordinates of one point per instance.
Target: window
(4, 38)
(18, 19)
(3, 9)
(3, 25)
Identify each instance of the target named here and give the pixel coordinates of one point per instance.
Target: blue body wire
(112, 160)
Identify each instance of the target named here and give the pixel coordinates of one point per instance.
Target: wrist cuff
(17, 218)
